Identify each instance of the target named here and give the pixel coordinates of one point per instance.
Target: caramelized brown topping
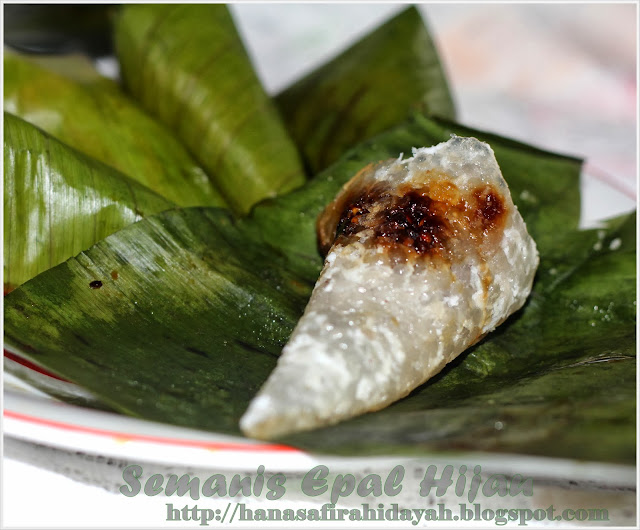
(350, 220)
(415, 222)
(421, 220)
(490, 207)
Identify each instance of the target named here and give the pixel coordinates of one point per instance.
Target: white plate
(33, 416)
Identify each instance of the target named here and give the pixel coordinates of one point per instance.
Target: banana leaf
(202, 304)
(544, 187)
(178, 318)
(186, 64)
(90, 113)
(558, 379)
(368, 88)
(58, 201)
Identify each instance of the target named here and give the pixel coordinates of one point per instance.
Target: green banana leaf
(558, 379)
(368, 88)
(58, 201)
(544, 186)
(91, 114)
(175, 339)
(202, 304)
(186, 64)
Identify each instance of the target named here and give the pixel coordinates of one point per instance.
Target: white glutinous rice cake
(424, 257)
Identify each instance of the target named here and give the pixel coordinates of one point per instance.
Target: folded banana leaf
(186, 64)
(175, 337)
(557, 379)
(58, 201)
(90, 113)
(202, 303)
(544, 186)
(366, 89)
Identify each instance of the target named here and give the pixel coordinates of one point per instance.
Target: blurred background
(560, 76)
